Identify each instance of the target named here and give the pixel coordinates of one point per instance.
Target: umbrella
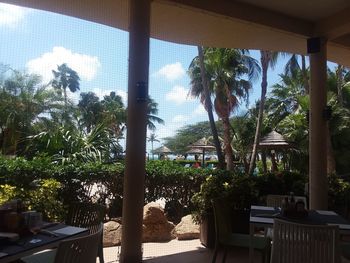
(162, 150)
(274, 140)
(202, 145)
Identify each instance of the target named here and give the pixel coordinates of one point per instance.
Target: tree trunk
(340, 82)
(264, 63)
(227, 140)
(209, 108)
(331, 165)
(263, 159)
(274, 167)
(304, 72)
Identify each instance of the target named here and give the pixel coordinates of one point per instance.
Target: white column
(134, 177)
(318, 183)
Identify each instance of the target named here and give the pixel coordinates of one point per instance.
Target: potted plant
(238, 190)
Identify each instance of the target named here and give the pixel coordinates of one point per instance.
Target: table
(263, 216)
(24, 247)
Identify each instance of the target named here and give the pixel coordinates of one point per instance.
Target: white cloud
(171, 71)
(11, 15)
(86, 66)
(178, 94)
(180, 119)
(199, 110)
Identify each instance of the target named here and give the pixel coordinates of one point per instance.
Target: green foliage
(172, 181)
(238, 189)
(281, 183)
(45, 198)
(243, 191)
(338, 195)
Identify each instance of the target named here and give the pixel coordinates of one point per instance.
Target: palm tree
(199, 82)
(225, 69)
(90, 110)
(114, 114)
(64, 78)
(267, 59)
(152, 138)
(292, 68)
(152, 111)
(24, 102)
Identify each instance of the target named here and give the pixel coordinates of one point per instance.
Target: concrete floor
(189, 251)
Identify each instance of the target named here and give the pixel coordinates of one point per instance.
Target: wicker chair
(276, 200)
(76, 250)
(225, 238)
(87, 215)
(301, 243)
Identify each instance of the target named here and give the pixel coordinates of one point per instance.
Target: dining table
(263, 217)
(49, 236)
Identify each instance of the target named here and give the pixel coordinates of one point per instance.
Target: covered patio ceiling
(252, 24)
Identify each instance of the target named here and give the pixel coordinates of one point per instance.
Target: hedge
(51, 188)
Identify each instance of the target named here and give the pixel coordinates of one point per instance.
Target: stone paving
(185, 251)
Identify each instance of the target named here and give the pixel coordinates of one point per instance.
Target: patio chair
(301, 243)
(76, 250)
(87, 215)
(225, 238)
(276, 200)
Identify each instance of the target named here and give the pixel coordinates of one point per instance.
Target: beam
(334, 26)
(134, 178)
(251, 14)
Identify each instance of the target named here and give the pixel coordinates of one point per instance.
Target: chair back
(301, 243)
(87, 215)
(276, 200)
(222, 216)
(79, 250)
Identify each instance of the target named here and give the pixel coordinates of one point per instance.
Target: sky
(37, 41)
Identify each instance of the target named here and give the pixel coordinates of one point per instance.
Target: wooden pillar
(318, 184)
(134, 177)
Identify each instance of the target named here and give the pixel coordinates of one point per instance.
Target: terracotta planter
(207, 231)
(239, 220)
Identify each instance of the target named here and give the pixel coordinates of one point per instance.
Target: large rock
(187, 229)
(156, 227)
(112, 234)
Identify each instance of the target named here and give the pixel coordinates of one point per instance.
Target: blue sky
(38, 41)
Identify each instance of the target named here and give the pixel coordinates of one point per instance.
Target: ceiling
(281, 25)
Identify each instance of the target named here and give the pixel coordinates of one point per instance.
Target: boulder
(187, 229)
(112, 234)
(156, 227)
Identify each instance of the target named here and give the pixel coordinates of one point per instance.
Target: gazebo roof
(202, 143)
(162, 149)
(274, 140)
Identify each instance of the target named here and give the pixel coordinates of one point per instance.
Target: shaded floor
(189, 251)
(175, 251)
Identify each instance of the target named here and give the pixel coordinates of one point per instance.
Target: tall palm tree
(152, 111)
(114, 113)
(200, 79)
(292, 67)
(152, 138)
(267, 59)
(23, 103)
(64, 78)
(90, 110)
(226, 69)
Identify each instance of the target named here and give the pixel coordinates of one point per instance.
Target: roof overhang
(251, 24)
